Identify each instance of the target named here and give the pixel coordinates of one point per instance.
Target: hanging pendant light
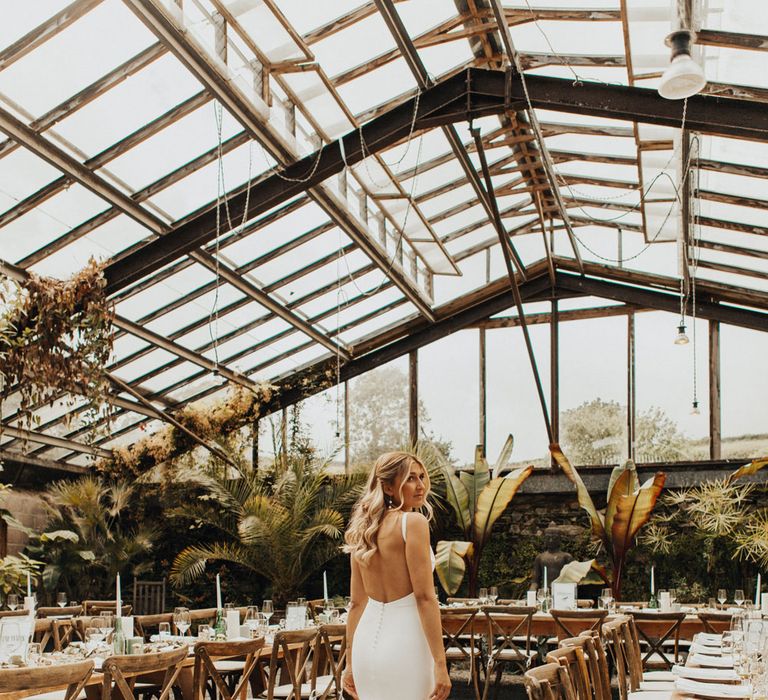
(681, 338)
(695, 408)
(683, 77)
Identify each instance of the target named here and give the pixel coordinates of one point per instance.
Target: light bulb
(683, 77)
(681, 338)
(695, 409)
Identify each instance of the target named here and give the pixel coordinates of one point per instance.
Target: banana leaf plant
(748, 469)
(629, 507)
(478, 499)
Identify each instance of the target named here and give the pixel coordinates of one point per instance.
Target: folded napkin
(173, 638)
(713, 690)
(708, 661)
(708, 639)
(706, 674)
(697, 648)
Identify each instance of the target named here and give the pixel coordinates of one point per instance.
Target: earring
(388, 501)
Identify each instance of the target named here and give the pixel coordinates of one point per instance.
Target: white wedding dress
(390, 655)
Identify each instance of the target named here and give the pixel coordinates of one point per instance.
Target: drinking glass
(252, 619)
(541, 595)
(267, 609)
(106, 623)
(33, 654)
(672, 596)
(738, 597)
(12, 601)
(493, 594)
(712, 604)
(606, 595)
(483, 596)
(94, 634)
(61, 599)
(164, 630)
(182, 620)
(722, 596)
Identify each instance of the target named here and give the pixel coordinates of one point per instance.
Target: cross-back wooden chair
(148, 597)
(69, 610)
(656, 630)
(509, 641)
(19, 612)
(549, 682)
(43, 634)
(615, 637)
(715, 622)
(147, 625)
(328, 661)
(635, 659)
(290, 651)
(19, 682)
(63, 633)
(96, 607)
(571, 623)
(205, 671)
(460, 641)
(574, 660)
(597, 663)
(120, 673)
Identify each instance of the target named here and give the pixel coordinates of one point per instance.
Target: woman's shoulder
(416, 522)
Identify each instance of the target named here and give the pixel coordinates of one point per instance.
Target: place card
(530, 599)
(233, 624)
(564, 596)
(15, 635)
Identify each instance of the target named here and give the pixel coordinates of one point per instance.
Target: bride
(393, 627)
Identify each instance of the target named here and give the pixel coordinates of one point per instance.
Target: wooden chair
(290, 649)
(571, 623)
(574, 660)
(615, 637)
(43, 634)
(549, 682)
(655, 632)
(13, 613)
(459, 641)
(715, 622)
(120, 673)
(18, 682)
(206, 655)
(328, 661)
(63, 633)
(597, 663)
(148, 597)
(70, 610)
(509, 641)
(147, 625)
(96, 607)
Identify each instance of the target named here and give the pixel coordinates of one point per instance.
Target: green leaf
(458, 497)
(632, 512)
(633, 485)
(574, 571)
(476, 481)
(87, 554)
(752, 468)
(450, 563)
(504, 456)
(59, 535)
(494, 499)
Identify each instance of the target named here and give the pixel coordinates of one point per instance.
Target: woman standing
(393, 628)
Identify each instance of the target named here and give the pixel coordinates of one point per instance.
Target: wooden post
(413, 397)
(284, 436)
(346, 428)
(219, 35)
(714, 391)
(483, 427)
(554, 369)
(631, 385)
(255, 445)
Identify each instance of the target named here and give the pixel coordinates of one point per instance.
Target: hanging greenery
(56, 337)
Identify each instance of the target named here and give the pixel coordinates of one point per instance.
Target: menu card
(564, 596)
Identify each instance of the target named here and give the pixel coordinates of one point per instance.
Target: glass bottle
(118, 638)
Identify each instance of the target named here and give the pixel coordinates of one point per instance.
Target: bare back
(386, 577)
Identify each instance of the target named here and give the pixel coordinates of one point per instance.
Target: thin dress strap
(405, 522)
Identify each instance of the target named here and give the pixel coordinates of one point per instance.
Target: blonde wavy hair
(368, 514)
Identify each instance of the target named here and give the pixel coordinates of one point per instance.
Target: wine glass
(606, 595)
(182, 620)
(493, 594)
(738, 597)
(483, 596)
(61, 599)
(106, 623)
(267, 609)
(672, 596)
(12, 601)
(722, 596)
(541, 595)
(252, 619)
(94, 634)
(164, 630)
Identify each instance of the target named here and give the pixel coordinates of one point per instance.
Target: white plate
(708, 639)
(712, 661)
(697, 648)
(722, 675)
(713, 690)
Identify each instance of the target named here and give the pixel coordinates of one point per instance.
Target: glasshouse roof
(277, 186)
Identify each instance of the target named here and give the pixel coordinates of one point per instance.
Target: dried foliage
(56, 337)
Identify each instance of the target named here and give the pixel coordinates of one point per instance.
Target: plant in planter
(629, 507)
(56, 337)
(478, 499)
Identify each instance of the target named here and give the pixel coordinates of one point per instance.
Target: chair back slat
(655, 629)
(96, 607)
(148, 597)
(597, 663)
(290, 650)
(715, 622)
(575, 662)
(71, 610)
(615, 637)
(119, 672)
(571, 623)
(145, 625)
(329, 659)
(206, 655)
(18, 682)
(549, 682)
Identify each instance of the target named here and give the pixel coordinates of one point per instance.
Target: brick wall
(27, 507)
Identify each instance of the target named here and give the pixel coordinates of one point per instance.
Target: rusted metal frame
(11, 457)
(572, 202)
(413, 397)
(599, 181)
(482, 437)
(45, 31)
(554, 370)
(488, 42)
(732, 225)
(307, 113)
(141, 195)
(732, 168)
(715, 424)
(742, 92)
(524, 14)
(308, 55)
(78, 172)
(166, 417)
(504, 240)
(635, 127)
(623, 225)
(560, 156)
(736, 200)
(685, 209)
(665, 300)
(90, 93)
(556, 128)
(341, 23)
(158, 22)
(731, 269)
(732, 249)
(418, 69)
(547, 166)
(732, 40)
(631, 388)
(250, 288)
(546, 318)
(53, 441)
(38, 197)
(530, 60)
(469, 228)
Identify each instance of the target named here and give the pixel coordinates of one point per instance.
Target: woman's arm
(420, 570)
(356, 607)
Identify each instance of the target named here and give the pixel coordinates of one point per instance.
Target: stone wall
(28, 508)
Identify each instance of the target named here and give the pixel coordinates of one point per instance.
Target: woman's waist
(406, 601)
